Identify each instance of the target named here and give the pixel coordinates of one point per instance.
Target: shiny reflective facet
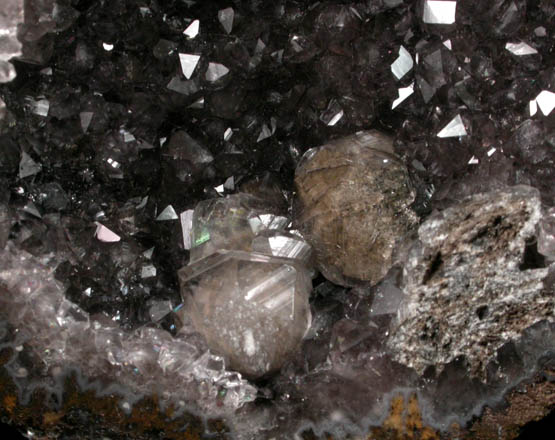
(188, 63)
(403, 64)
(455, 128)
(439, 12)
(225, 17)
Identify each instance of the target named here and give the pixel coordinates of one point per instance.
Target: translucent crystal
(520, 49)
(246, 292)
(215, 71)
(184, 87)
(333, 114)
(186, 219)
(455, 128)
(265, 133)
(86, 118)
(27, 166)
(39, 106)
(193, 29)
(251, 308)
(403, 64)
(439, 12)
(188, 63)
(404, 93)
(167, 214)
(225, 16)
(106, 235)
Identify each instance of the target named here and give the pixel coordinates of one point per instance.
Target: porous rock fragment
(353, 206)
(473, 281)
(246, 288)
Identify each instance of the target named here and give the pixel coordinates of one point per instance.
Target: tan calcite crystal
(353, 206)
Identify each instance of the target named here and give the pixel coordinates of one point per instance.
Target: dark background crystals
(115, 136)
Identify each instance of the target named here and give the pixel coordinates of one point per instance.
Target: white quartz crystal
(246, 290)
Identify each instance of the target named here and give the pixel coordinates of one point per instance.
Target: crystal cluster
(354, 198)
(125, 116)
(145, 359)
(472, 281)
(247, 286)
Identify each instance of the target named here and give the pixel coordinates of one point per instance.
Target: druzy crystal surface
(246, 288)
(353, 205)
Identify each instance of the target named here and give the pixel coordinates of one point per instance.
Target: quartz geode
(473, 280)
(125, 114)
(353, 206)
(246, 288)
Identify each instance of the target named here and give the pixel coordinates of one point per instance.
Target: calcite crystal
(353, 206)
(246, 290)
(473, 281)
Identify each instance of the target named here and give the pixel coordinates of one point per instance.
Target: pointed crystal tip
(455, 128)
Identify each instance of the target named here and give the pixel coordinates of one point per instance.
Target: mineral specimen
(472, 282)
(353, 206)
(246, 290)
(102, 127)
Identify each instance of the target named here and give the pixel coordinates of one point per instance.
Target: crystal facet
(520, 49)
(455, 128)
(404, 93)
(188, 63)
(226, 16)
(215, 71)
(106, 235)
(439, 12)
(546, 102)
(246, 292)
(193, 29)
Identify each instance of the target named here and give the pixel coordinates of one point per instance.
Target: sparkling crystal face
(246, 289)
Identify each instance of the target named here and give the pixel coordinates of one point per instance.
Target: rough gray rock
(473, 281)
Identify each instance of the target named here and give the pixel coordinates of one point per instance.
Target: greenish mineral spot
(202, 238)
